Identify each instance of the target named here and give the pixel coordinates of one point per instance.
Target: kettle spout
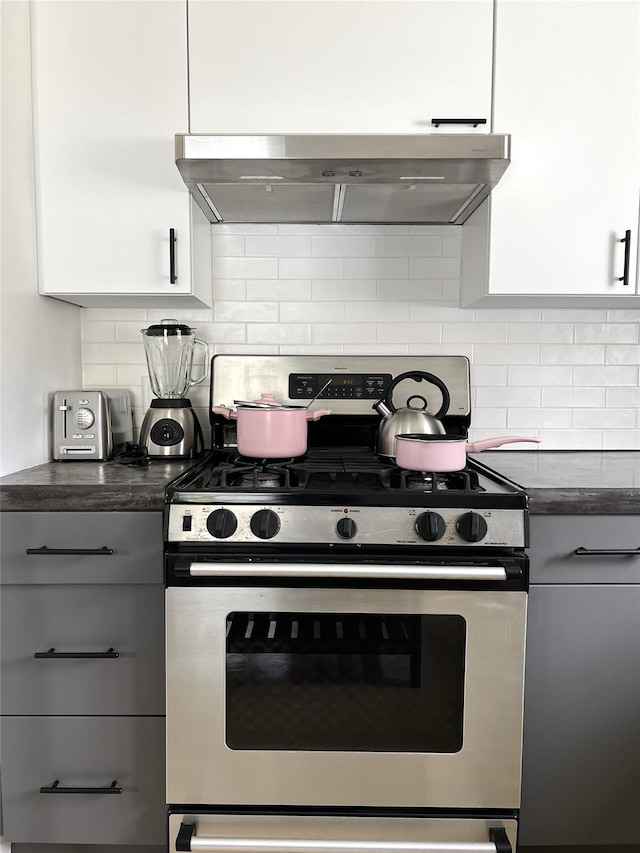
(382, 408)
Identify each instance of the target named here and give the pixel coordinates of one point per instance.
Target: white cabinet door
(346, 66)
(567, 87)
(110, 92)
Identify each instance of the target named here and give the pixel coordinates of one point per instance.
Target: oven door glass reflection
(345, 682)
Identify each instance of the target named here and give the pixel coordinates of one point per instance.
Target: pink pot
(418, 452)
(271, 430)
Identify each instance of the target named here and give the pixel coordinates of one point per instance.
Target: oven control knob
(265, 524)
(222, 523)
(346, 528)
(472, 527)
(430, 526)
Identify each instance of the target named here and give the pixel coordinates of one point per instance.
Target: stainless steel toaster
(90, 424)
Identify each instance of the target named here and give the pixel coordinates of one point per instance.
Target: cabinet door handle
(620, 552)
(172, 255)
(53, 654)
(54, 552)
(624, 278)
(55, 788)
(474, 121)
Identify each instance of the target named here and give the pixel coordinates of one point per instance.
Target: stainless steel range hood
(416, 179)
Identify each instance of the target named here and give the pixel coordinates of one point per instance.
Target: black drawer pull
(620, 552)
(624, 278)
(474, 121)
(499, 837)
(55, 552)
(53, 654)
(56, 789)
(185, 834)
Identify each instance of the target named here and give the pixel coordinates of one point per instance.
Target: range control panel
(236, 523)
(340, 386)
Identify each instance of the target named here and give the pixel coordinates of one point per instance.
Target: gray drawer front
(134, 537)
(79, 619)
(554, 539)
(84, 752)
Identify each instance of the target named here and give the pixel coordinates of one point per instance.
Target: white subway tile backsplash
(242, 267)
(572, 376)
(294, 247)
(485, 333)
(312, 312)
(576, 398)
(434, 268)
(578, 353)
(409, 247)
(279, 333)
(415, 333)
(342, 246)
(331, 268)
(245, 312)
(376, 312)
(373, 268)
(504, 353)
(289, 291)
(344, 333)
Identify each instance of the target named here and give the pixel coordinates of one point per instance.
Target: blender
(170, 428)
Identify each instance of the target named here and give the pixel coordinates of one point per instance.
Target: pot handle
(318, 413)
(228, 413)
(418, 376)
(486, 443)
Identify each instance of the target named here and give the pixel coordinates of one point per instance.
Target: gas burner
(430, 481)
(261, 479)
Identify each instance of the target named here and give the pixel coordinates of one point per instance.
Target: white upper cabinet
(110, 93)
(567, 87)
(346, 66)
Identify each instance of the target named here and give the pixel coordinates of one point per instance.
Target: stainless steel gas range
(345, 640)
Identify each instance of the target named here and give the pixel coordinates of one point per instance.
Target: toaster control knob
(265, 524)
(84, 418)
(222, 523)
(430, 526)
(472, 527)
(346, 528)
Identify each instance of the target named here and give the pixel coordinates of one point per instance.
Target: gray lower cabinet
(82, 649)
(581, 749)
(84, 756)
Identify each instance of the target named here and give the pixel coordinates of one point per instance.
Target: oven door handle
(365, 571)
(187, 840)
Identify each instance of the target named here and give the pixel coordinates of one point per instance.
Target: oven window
(345, 682)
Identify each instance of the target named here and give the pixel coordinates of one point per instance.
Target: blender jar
(169, 347)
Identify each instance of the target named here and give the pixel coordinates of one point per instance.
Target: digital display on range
(340, 386)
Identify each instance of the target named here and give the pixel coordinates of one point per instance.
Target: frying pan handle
(485, 444)
(418, 376)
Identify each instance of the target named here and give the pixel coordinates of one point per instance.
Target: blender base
(171, 430)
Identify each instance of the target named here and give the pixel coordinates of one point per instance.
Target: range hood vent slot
(432, 179)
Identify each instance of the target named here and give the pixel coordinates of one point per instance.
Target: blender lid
(168, 327)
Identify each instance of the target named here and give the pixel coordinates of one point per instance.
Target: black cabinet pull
(499, 837)
(474, 121)
(172, 255)
(53, 654)
(55, 552)
(55, 788)
(183, 839)
(619, 552)
(624, 278)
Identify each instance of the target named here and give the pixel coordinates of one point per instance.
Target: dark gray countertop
(573, 482)
(557, 481)
(88, 487)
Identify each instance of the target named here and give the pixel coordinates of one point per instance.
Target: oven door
(338, 834)
(336, 696)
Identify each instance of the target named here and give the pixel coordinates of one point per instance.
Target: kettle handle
(419, 375)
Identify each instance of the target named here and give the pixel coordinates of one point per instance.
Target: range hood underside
(387, 180)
